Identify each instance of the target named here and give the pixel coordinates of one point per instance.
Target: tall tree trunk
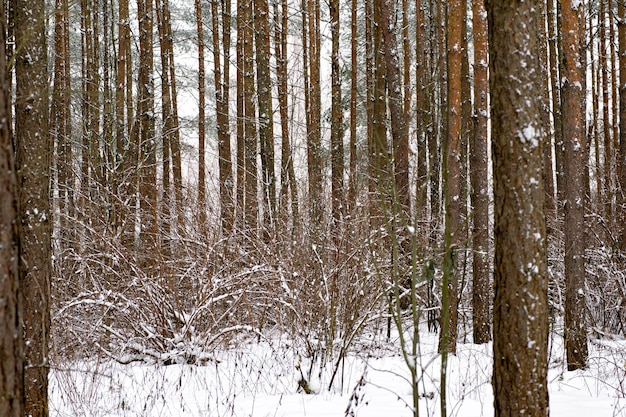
(60, 120)
(172, 128)
(144, 135)
(314, 134)
(251, 205)
(607, 171)
(621, 30)
(33, 169)
(421, 88)
(352, 176)
(222, 86)
(520, 316)
(554, 47)
(399, 131)
(11, 312)
(452, 178)
(265, 114)
(169, 125)
(548, 171)
(288, 184)
(480, 179)
(380, 163)
(202, 206)
(241, 160)
(126, 151)
(575, 141)
(336, 121)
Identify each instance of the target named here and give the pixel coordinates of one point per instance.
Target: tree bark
(265, 114)
(480, 181)
(520, 312)
(621, 31)
(575, 164)
(33, 170)
(11, 313)
(452, 178)
(336, 128)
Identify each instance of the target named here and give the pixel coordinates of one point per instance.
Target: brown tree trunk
(480, 180)
(421, 88)
(554, 48)
(251, 205)
(33, 169)
(575, 164)
(288, 184)
(352, 177)
(144, 135)
(380, 164)
(222, 86)
(520, 312)
(621, 30)
(548, 171)
(607, 171)
(241, 160)
(11, 312)
(314, 138)
(202, 207)
(399, 132)
(265, 114)
(336, 121)
(452, 178)
(60, 120)
(167, 115)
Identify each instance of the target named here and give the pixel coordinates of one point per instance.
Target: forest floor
(261, 378)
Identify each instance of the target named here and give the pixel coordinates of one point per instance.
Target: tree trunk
(11, 318)
(480, 180)
(314, 138)
(396, 102)
(222, 87)
(144, 135)
(421, 88)
(452, 178)
(621, 30)
(265, 115)
(33, 170)
(520, 316)
(288, 184)
(251, 205)
(575, 164)
(202, 206)
(336, 121)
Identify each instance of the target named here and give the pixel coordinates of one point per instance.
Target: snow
(261, 379)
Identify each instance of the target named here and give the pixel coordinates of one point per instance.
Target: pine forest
(306, 207)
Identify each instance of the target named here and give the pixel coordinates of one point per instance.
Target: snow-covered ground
(261, 379)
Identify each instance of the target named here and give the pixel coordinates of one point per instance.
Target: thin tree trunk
(554, 47)
(144, 135)
(288, 176)
(336, 120)
(202, 206)
(479, 179)
(222, 95)
(241, 160)
(314, 139)
(353, 182)
(265, 113)
(421, 88)
(251, 205)
(575, 141)
(621, 30)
